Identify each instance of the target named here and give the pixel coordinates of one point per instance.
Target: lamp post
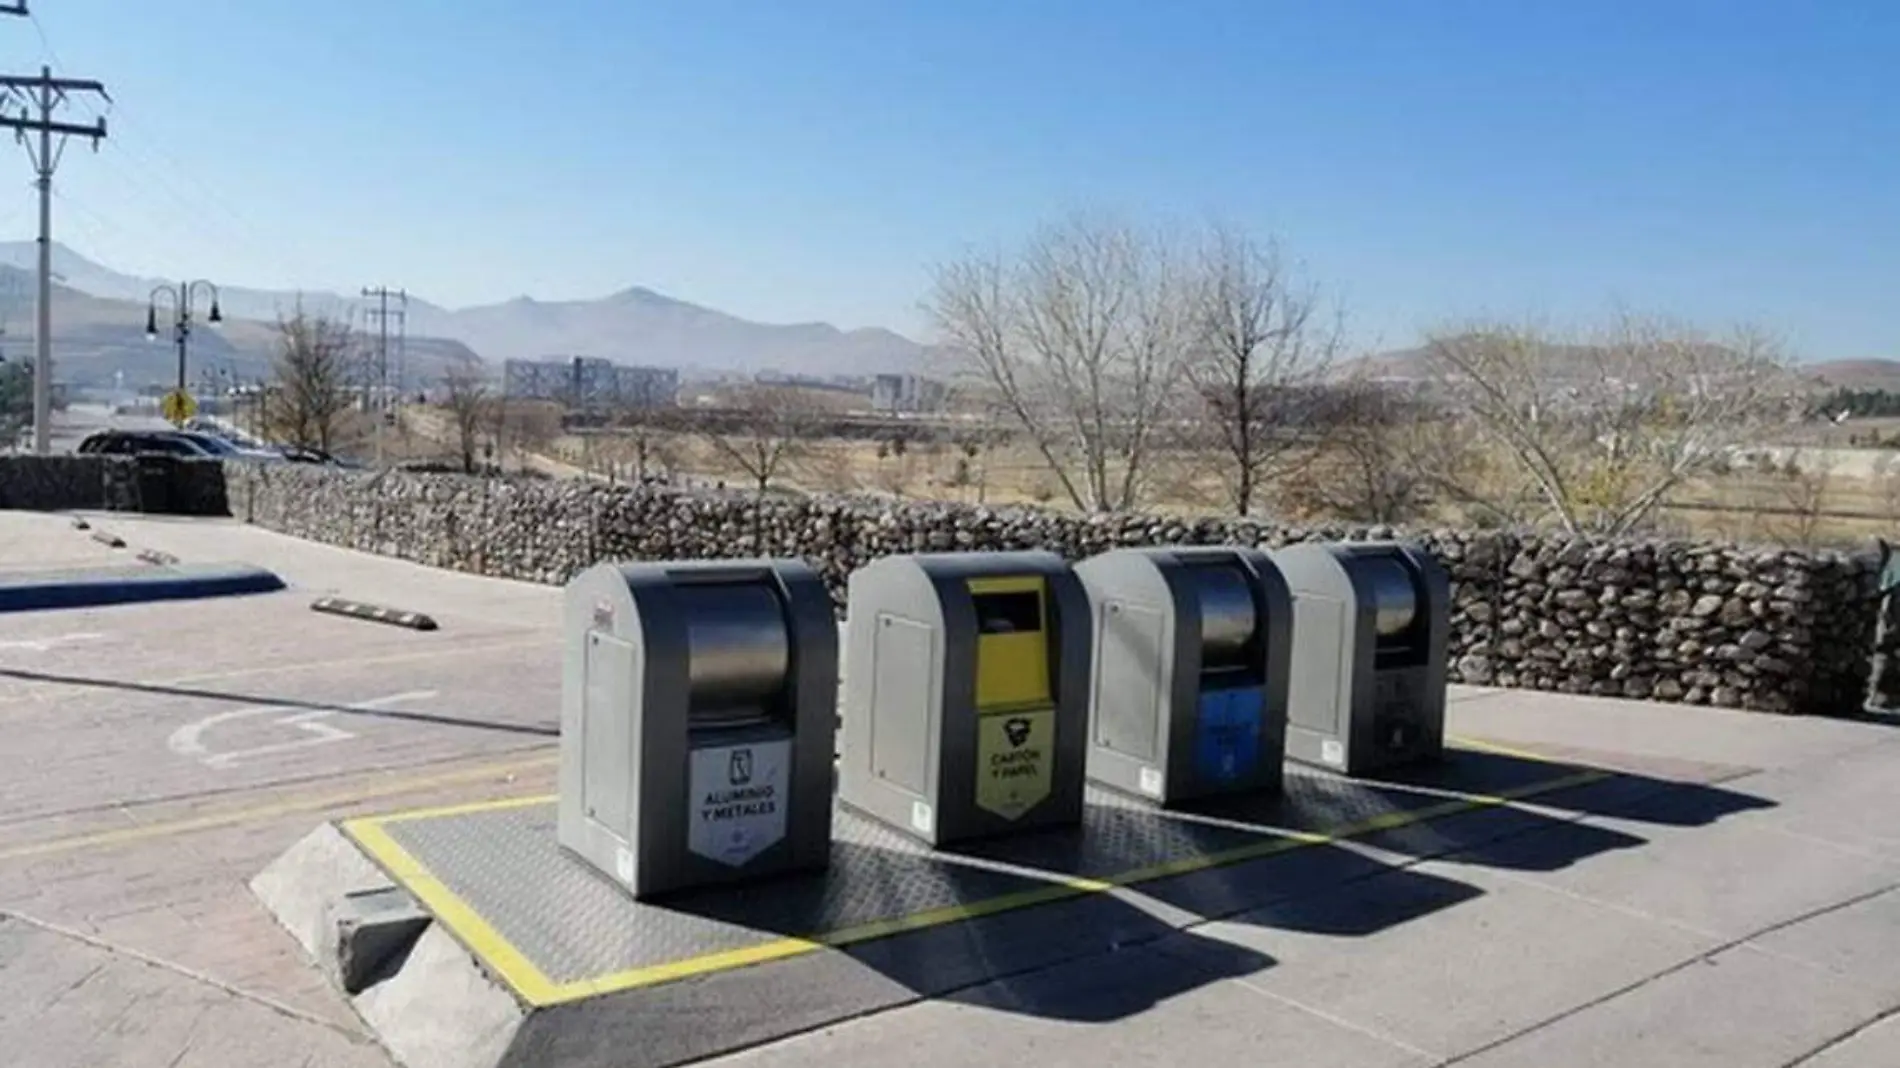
(180, 300)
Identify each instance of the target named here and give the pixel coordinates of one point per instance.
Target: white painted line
(41, 645)
(188, 741)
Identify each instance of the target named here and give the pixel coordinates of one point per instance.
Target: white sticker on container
(1332, 752)
(920, 817)
(1150, 782)
(623, 863)
(738, 799)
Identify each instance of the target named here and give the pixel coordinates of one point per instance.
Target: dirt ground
(1813, 493)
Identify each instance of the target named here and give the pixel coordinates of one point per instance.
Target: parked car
(297, 454)
(131, 442)
(213, 445)
(170, 442)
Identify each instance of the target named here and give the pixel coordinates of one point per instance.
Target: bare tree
(896, 466)
(1887, 484)
(527, 429)
(470, 402)
(645, 418)
(1601, 429)
(312, 372)
(767, 429)
(1264, 347)
(1083, 339)
(1370, 471)
(1804, 485)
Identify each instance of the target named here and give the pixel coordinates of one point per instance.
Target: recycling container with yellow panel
(966, 707)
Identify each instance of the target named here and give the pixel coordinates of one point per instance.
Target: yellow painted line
(536, 989)
(508, 962)
(1485, 745)
(467, 808)
(271, 810)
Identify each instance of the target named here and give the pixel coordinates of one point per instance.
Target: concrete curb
(375, 613)
(28, 593)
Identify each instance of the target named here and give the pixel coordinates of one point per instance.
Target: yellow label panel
(1012, 667)
(1014, 754)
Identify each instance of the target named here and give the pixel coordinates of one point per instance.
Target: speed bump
(133, 584)
(375, 613)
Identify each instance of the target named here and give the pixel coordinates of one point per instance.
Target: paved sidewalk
(1733, 900)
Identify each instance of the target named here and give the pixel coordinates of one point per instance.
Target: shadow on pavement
(438, 719)
(1108, 987)
(1621, 793)
(897, 924)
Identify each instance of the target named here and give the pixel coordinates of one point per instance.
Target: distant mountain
(1859, 374)
(1398, 364)
(1410, 365)
(99, 342)
(634, 326)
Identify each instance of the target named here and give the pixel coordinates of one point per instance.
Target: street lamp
(180, 300)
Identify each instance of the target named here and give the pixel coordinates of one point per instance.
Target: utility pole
(381, 314)
(43, 95)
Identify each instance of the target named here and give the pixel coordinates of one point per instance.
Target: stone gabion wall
(52, 483)
(1748, 628)
(155, 483)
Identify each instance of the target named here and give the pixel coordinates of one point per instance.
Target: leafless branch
(774, 426)
(1604, 427)
(472, 409)
(312, 369)
(1083, 339)
(1265, 345)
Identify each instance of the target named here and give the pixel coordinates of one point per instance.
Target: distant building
(646, 387)
(590, 382)
(907, 393)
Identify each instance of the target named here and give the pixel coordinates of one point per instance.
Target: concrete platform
(539, 960)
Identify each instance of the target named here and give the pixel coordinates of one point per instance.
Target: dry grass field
(1832, 496)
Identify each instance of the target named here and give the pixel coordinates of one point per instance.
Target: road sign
(178, 407)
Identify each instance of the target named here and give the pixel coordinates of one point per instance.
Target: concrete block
(441, 1010)
(372, 930)
(300, 887)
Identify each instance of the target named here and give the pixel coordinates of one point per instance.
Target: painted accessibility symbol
(189, 741)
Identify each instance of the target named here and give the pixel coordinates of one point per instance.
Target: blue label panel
(1227, 734)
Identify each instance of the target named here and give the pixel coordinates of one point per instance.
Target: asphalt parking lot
(1730, 901)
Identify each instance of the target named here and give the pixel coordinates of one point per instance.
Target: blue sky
(789, 161)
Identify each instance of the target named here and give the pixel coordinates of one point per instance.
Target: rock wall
(154, 483)
(52, 483)
(1749, 628)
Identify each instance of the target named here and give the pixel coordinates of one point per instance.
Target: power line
(43, 96)
(152, 160)
(39, 28)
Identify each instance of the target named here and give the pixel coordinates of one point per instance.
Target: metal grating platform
(557, 931)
